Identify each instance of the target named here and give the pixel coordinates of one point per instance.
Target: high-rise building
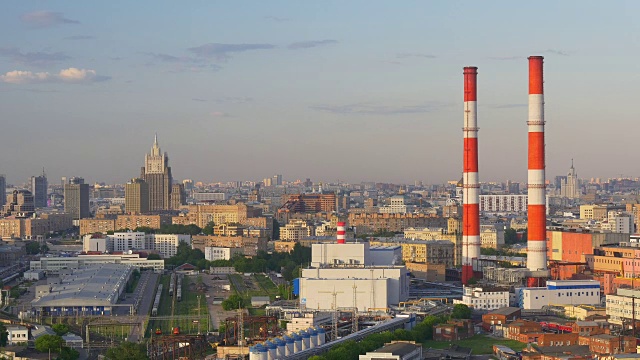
(76, 198)
(157, 174)
(178, 196)
(39, 187)
(19, 203)
(277, 180)
(3, 189)
(136, 197)
(570, 187)
(63, 181)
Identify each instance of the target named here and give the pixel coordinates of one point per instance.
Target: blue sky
(331, 90)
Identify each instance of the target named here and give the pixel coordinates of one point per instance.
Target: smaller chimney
(341, 231)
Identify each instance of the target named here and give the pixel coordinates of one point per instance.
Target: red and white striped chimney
(471, 187)
(341, 231)
(537, 219)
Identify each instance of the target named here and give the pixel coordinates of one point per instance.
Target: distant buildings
(157, 174)
(19, 204)
(165, 244)
(570, 188)
(54, 265)
(39, 187)
(136, 194)
(3, 189)
(76, 198)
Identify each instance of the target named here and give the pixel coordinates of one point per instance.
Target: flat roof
(505, 311)
(399, 348)
(95, 285)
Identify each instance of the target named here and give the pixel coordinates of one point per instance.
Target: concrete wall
(370, 293)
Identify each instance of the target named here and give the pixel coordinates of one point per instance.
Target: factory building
(484, 297)
(53, 265)
(343, 275)
(560, 292)
(88, 291)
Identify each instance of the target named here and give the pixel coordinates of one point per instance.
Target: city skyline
(338, 91)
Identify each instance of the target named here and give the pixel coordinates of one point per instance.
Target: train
(156, 301)
(556, 327)
(172, 282)
(179, 289)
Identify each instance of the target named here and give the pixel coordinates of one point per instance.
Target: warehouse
(93, 290)
(560, 292)
(53, 265)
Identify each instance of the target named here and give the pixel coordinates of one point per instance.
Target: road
(215, 288)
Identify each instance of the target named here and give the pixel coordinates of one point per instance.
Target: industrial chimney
(341, 232)
(470, 180)
(537, 219)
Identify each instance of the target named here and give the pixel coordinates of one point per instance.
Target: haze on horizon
(333, 90)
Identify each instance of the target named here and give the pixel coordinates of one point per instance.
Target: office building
(178, 196)
(136, 197)
(39, 187)
(484, 298)
(3, 189)
(76, 198)
(19, 204)
(220, 253)
(157, 174)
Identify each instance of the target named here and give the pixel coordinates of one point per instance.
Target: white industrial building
(213, 253)
(484, 298)
(93, 290)
(165, 244)
(560, 292)
(343, 275)
(17, 334)
(53, 265)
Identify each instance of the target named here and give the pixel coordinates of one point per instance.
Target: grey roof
(90, 286)
(71, 337)
(399, 348)
(40, 330)
(505, 311)
(587, 323)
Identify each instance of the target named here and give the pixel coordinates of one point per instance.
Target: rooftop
(96, 285)
(505, 311)
(398, 348)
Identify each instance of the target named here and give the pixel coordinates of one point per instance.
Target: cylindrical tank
(281, 348)
(306, 339)
(313, 339)
(289, 344)
(273, 350)
(297, 345)
(254, 352)
(322, 336)
(264, 352)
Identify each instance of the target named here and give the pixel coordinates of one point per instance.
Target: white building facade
(505, 203)
(212, 253)
(484, 298)
(560, 292)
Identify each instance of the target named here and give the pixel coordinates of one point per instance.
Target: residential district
(302, 269)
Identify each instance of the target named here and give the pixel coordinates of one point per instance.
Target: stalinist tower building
(157, 174)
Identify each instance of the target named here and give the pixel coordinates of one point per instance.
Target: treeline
(167, 229)
(288, 264)
(351, 350)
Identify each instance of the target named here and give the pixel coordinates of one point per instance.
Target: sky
(328, 90)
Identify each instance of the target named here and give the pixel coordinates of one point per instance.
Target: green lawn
(479, 344)
(261, 286)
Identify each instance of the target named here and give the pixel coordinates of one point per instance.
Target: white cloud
(70, 75)
(43, 19)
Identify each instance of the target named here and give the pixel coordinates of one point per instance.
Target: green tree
(60, 329)
(145, 229)
(68, 354)
(46, 343)
(154, 257)
(4, 335)
(44, 249)
(127, 351)
(461, 311)
(208, 229)
(32, 248)
(233, 302)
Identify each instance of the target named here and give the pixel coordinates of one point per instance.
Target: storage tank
(322, 336)
(289, 344)
(264, 352)
(297, 345)
(306, 339)
(313, 339)
(254, 352)
(280, 354)
(273, 350)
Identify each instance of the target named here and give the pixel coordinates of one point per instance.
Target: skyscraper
(178, 196)
(136, 197)
(3, 189)
(39, 187)
(76, 198)
(570, 187)
(157, 174)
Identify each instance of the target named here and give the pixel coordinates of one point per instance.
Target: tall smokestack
(470, 190)
(341, 232)
(537, 219)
